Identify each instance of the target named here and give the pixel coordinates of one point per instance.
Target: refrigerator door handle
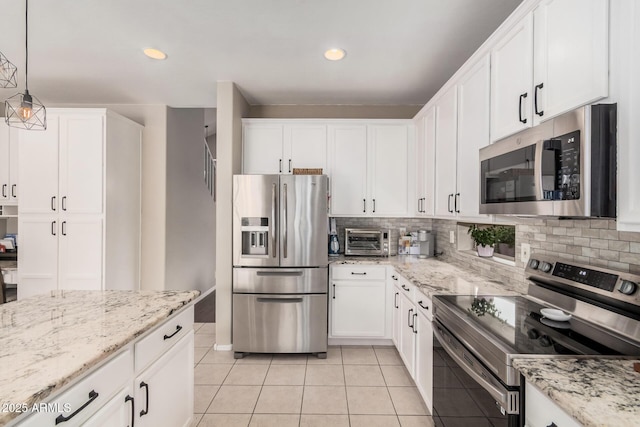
(285, 222)
(274, 202)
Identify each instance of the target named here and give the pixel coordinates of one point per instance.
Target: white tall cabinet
(425, 163)
(8, 164)
(79, 211)
(445, 152)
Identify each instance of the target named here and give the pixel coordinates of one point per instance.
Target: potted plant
(506, 240)
(484, 238)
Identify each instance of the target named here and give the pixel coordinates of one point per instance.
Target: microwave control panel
(561, 167)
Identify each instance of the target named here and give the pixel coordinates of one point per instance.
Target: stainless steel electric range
(597, 313)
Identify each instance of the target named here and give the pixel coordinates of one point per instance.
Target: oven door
(467, 393)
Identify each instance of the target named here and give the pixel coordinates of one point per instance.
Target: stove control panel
(618, 285)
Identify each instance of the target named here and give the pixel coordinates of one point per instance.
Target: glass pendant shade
(7, 73)
(25, 111)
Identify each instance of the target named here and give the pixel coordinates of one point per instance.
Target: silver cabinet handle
(334, 291)
(53, 203)
(280, 165)
(289, 165)
(455, 203)
(535, 100)
(64, 203)
(405, 288)
(374, 205)
(423, 306)
(409, 317)
(286, 222)
(53, 228)
(4, 190)
(449, 203)
(274, 202)
(395, 300)
(415, 331)
(64, 228)
(13, 191)
(394, 277)
(364, 205)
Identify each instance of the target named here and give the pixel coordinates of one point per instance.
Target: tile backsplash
(591, 241)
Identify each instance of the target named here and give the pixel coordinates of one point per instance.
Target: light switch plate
(452, 236)
(525, 252)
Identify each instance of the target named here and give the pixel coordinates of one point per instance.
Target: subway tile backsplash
(591, 241)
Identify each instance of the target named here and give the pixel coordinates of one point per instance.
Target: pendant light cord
(26, 45)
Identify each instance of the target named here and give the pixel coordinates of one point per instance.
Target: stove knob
(534, 263)
(545, 267)
(533, 334)
(627, 287)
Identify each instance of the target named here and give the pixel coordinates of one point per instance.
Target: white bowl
(553, 314)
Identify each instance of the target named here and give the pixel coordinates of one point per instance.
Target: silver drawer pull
(423, 306)
(280, 273)
(280, 300)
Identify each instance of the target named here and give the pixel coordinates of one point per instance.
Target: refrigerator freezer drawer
(280, 280)
(279, 323)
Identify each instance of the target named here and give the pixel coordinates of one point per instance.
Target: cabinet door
(358, 308)
(420, 167)
(407, 334)
(397, 322)
(429, 156)
(543, 412)
(511, 80)
(38, 267)
(118, 412)
(81, 253)
(424, 359)
(14, 150)
(445, 153)
(262, 149)
(305, 146)
(5, 185)
(81, 163)
(38, 169)
(164, 391)
(348, 169)
(388, 152)
(571, 62)
(473, 134)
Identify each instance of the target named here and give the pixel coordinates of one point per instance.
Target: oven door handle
(501, 397)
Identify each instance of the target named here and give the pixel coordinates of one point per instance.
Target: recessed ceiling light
(335, 54)
(155, 54)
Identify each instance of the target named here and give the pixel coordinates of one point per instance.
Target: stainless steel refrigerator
(280, 273)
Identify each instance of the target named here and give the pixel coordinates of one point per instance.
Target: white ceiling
(399, 52)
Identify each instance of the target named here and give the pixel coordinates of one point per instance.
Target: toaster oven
(366, 242)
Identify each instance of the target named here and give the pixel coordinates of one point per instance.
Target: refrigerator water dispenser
(255, 236)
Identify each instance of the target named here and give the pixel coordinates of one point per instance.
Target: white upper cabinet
(473, 134)
(571, 58)
(425, 156)
(277, 147)
(8, 165)
(555, 59)
(305, 147)
(388, 172)
(262, 148)
(348, 169)
(445, 153)
(511, 80)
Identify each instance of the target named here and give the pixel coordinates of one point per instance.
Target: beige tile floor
(354, 386)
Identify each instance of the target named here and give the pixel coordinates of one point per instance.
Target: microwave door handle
(539, 190)
(274, 202)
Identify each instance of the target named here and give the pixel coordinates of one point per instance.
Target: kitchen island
(50, 342)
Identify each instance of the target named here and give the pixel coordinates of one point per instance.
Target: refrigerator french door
(280, 259)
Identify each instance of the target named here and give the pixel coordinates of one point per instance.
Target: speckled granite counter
(597, 393)
(435, 277)
(46, 342)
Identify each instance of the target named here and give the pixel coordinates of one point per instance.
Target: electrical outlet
(452, 236)
(525, 252)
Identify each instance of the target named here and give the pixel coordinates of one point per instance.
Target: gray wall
(190, 210)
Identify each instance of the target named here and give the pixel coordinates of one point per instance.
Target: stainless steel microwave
(366, 242)
(564, 167)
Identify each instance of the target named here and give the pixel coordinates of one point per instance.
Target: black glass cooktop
(516, 322)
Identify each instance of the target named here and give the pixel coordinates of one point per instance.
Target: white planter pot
(485, 251)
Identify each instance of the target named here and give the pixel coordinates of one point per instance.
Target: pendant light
(24, 110)
(7, 73)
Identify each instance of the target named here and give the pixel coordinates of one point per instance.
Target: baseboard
(360, 341)
(223, 347)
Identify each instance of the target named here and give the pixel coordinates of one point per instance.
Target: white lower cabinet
(119, 411)
(407, 347)
(358, 302)
(156, 389)
(540, 411)
(149, 383)
(424, 350)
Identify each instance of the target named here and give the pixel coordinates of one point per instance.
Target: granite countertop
(596, 392)
(435, 277)
(47, 341)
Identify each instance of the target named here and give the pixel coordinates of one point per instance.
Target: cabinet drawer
(160, 340)
(408, 289)
(358, 272)
(423, 305)
(87, 396)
